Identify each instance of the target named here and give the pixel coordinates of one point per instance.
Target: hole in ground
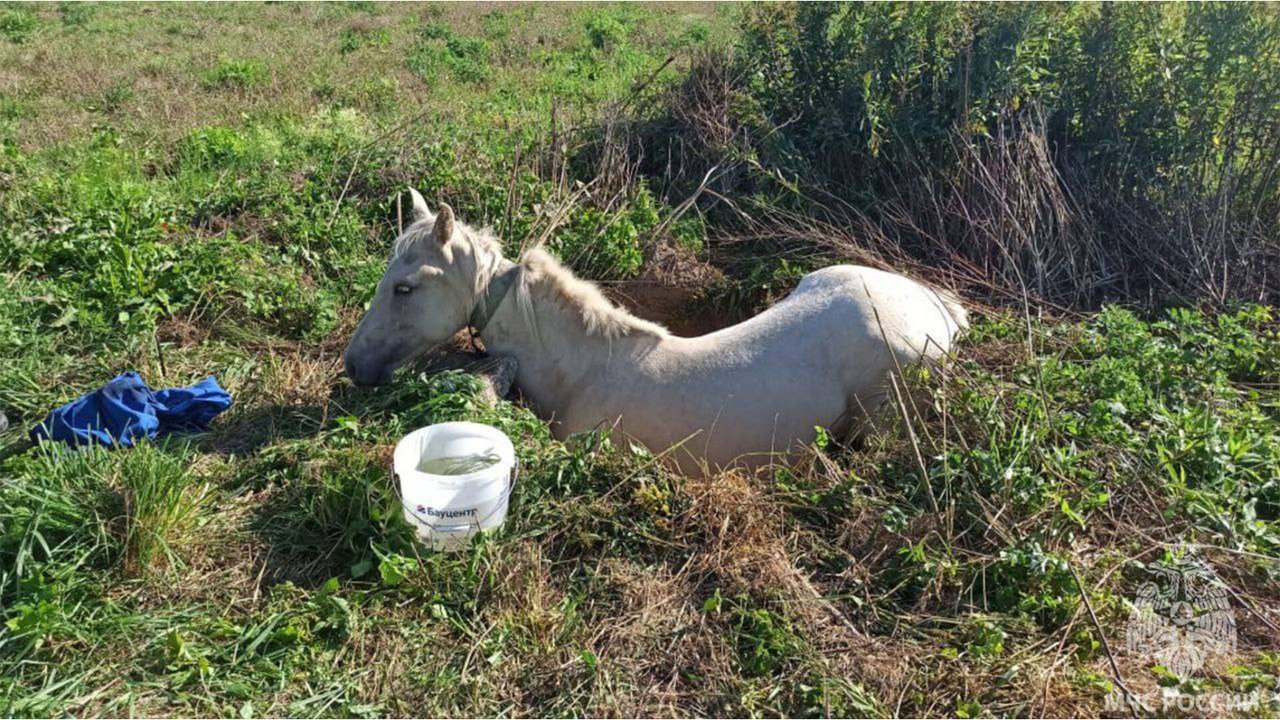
(672, 292)
(681, 309)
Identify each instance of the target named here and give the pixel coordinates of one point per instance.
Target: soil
(672, 292)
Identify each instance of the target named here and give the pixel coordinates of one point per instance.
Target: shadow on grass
(14, 443)
(330, 519)
(323, 497)
(251, 430)
(248, 431)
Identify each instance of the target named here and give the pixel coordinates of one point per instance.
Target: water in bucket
(458, 464)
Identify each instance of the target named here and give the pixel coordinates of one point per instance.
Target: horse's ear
(444, 225)
(420, 210)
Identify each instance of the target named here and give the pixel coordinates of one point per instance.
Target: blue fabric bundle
(125, 409)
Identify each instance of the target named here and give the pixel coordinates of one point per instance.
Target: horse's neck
(555, 352)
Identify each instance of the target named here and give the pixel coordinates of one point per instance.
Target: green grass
(237, 74)
(162, 507)
(17, 25)
(226, 207)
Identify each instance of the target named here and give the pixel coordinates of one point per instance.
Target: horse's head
(425, 297)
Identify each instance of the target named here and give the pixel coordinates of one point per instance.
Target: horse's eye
(403, 289)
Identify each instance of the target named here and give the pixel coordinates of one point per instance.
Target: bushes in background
(1085, 151)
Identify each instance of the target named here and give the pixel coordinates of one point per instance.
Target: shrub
(243, 74)
(465, 58)
(354, 38)
(605, 31)
(608, 245)
(76, 14)
(1087, 152)
(17, 25)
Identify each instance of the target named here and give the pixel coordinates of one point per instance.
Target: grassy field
(192, 190)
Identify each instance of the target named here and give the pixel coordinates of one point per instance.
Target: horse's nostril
(354, 372)
(365, 376)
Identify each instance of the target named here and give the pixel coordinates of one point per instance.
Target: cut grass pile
(223, 202)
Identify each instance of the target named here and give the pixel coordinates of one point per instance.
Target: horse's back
(849, 315)
(886, 308)
(813, 359)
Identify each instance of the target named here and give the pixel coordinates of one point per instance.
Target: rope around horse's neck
(499, 285)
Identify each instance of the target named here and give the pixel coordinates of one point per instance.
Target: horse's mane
(546, 277)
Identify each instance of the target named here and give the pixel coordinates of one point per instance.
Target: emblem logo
(1181, 617)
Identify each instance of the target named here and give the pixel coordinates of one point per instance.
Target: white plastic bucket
(448, 509)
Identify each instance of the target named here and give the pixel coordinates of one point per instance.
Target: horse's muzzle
(366, 375)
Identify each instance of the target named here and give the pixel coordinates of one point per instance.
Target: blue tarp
(125, 409)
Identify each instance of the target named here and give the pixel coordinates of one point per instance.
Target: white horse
(820, 358)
